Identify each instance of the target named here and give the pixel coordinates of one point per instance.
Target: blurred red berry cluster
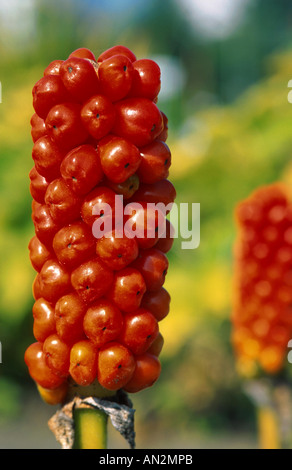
(97, 133)
(262, 312)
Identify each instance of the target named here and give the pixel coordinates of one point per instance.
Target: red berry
(83, 362)
(48, 92)
(64, 205)
(117, 50)
(157, 303)
(162, 191)
(83, 53)
(47, 158)
(91, 280)
(38, 185)
(79, 78)
(69, 314)
(117, 251)
(147, 371)
(65, 127)
(119, 158)
(57, 355)
(164, 133)
(166, 240)
(98, 116)
(146, 79)
(38, 253)
(54, 281)
(73, 244)
(115, 77)
(153, 265)
(81, 169)
(102, 322)
(38, 368)
(45, 226)
(145, 221)
(99, 202)
(127, 289)
(155, 162)
(139, 331)
(44, 323)
(35, 287)
(115, 366)
(53, 68)
(38, 127)
(157, 345)
(138, 120)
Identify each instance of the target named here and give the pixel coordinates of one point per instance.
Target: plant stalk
(268, 428)
(90, 428)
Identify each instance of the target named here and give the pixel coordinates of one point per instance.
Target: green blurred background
(225, 71)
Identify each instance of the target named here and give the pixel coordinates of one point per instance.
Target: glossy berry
(35, 288)
(115, 77)
(117, 50)
(145, 222)
(47, 157)
(57, 355)
(127, 289)
(79, 78)
(54, 67)
(139, 331)
(73, 244)
(69, 314)
(81, 169)
(164, 133)
(38, 185)
(165, 242)
(115, 365)
(117, 250)
(38, 253)
(102, 322)
(100, 202)
(146, 373)
(45, 226)
(155, 162)
(83, 362)
(153, 265)
(138, 120)
(162, 191)
(98, 115)
(64, 205)
(48, 92)
(158, 303)
(34, 358)
(157, 345)
(38, 127)
(54, 281)
(65, 127)
(44, 323)
(119, 158)
(91, 280)
(146, 81)
(83, 53)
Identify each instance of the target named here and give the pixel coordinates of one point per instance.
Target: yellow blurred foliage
(192, 297)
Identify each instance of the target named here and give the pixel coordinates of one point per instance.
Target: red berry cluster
(262, 312)
(97, 133)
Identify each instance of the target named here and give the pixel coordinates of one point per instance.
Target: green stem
(90, 428)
